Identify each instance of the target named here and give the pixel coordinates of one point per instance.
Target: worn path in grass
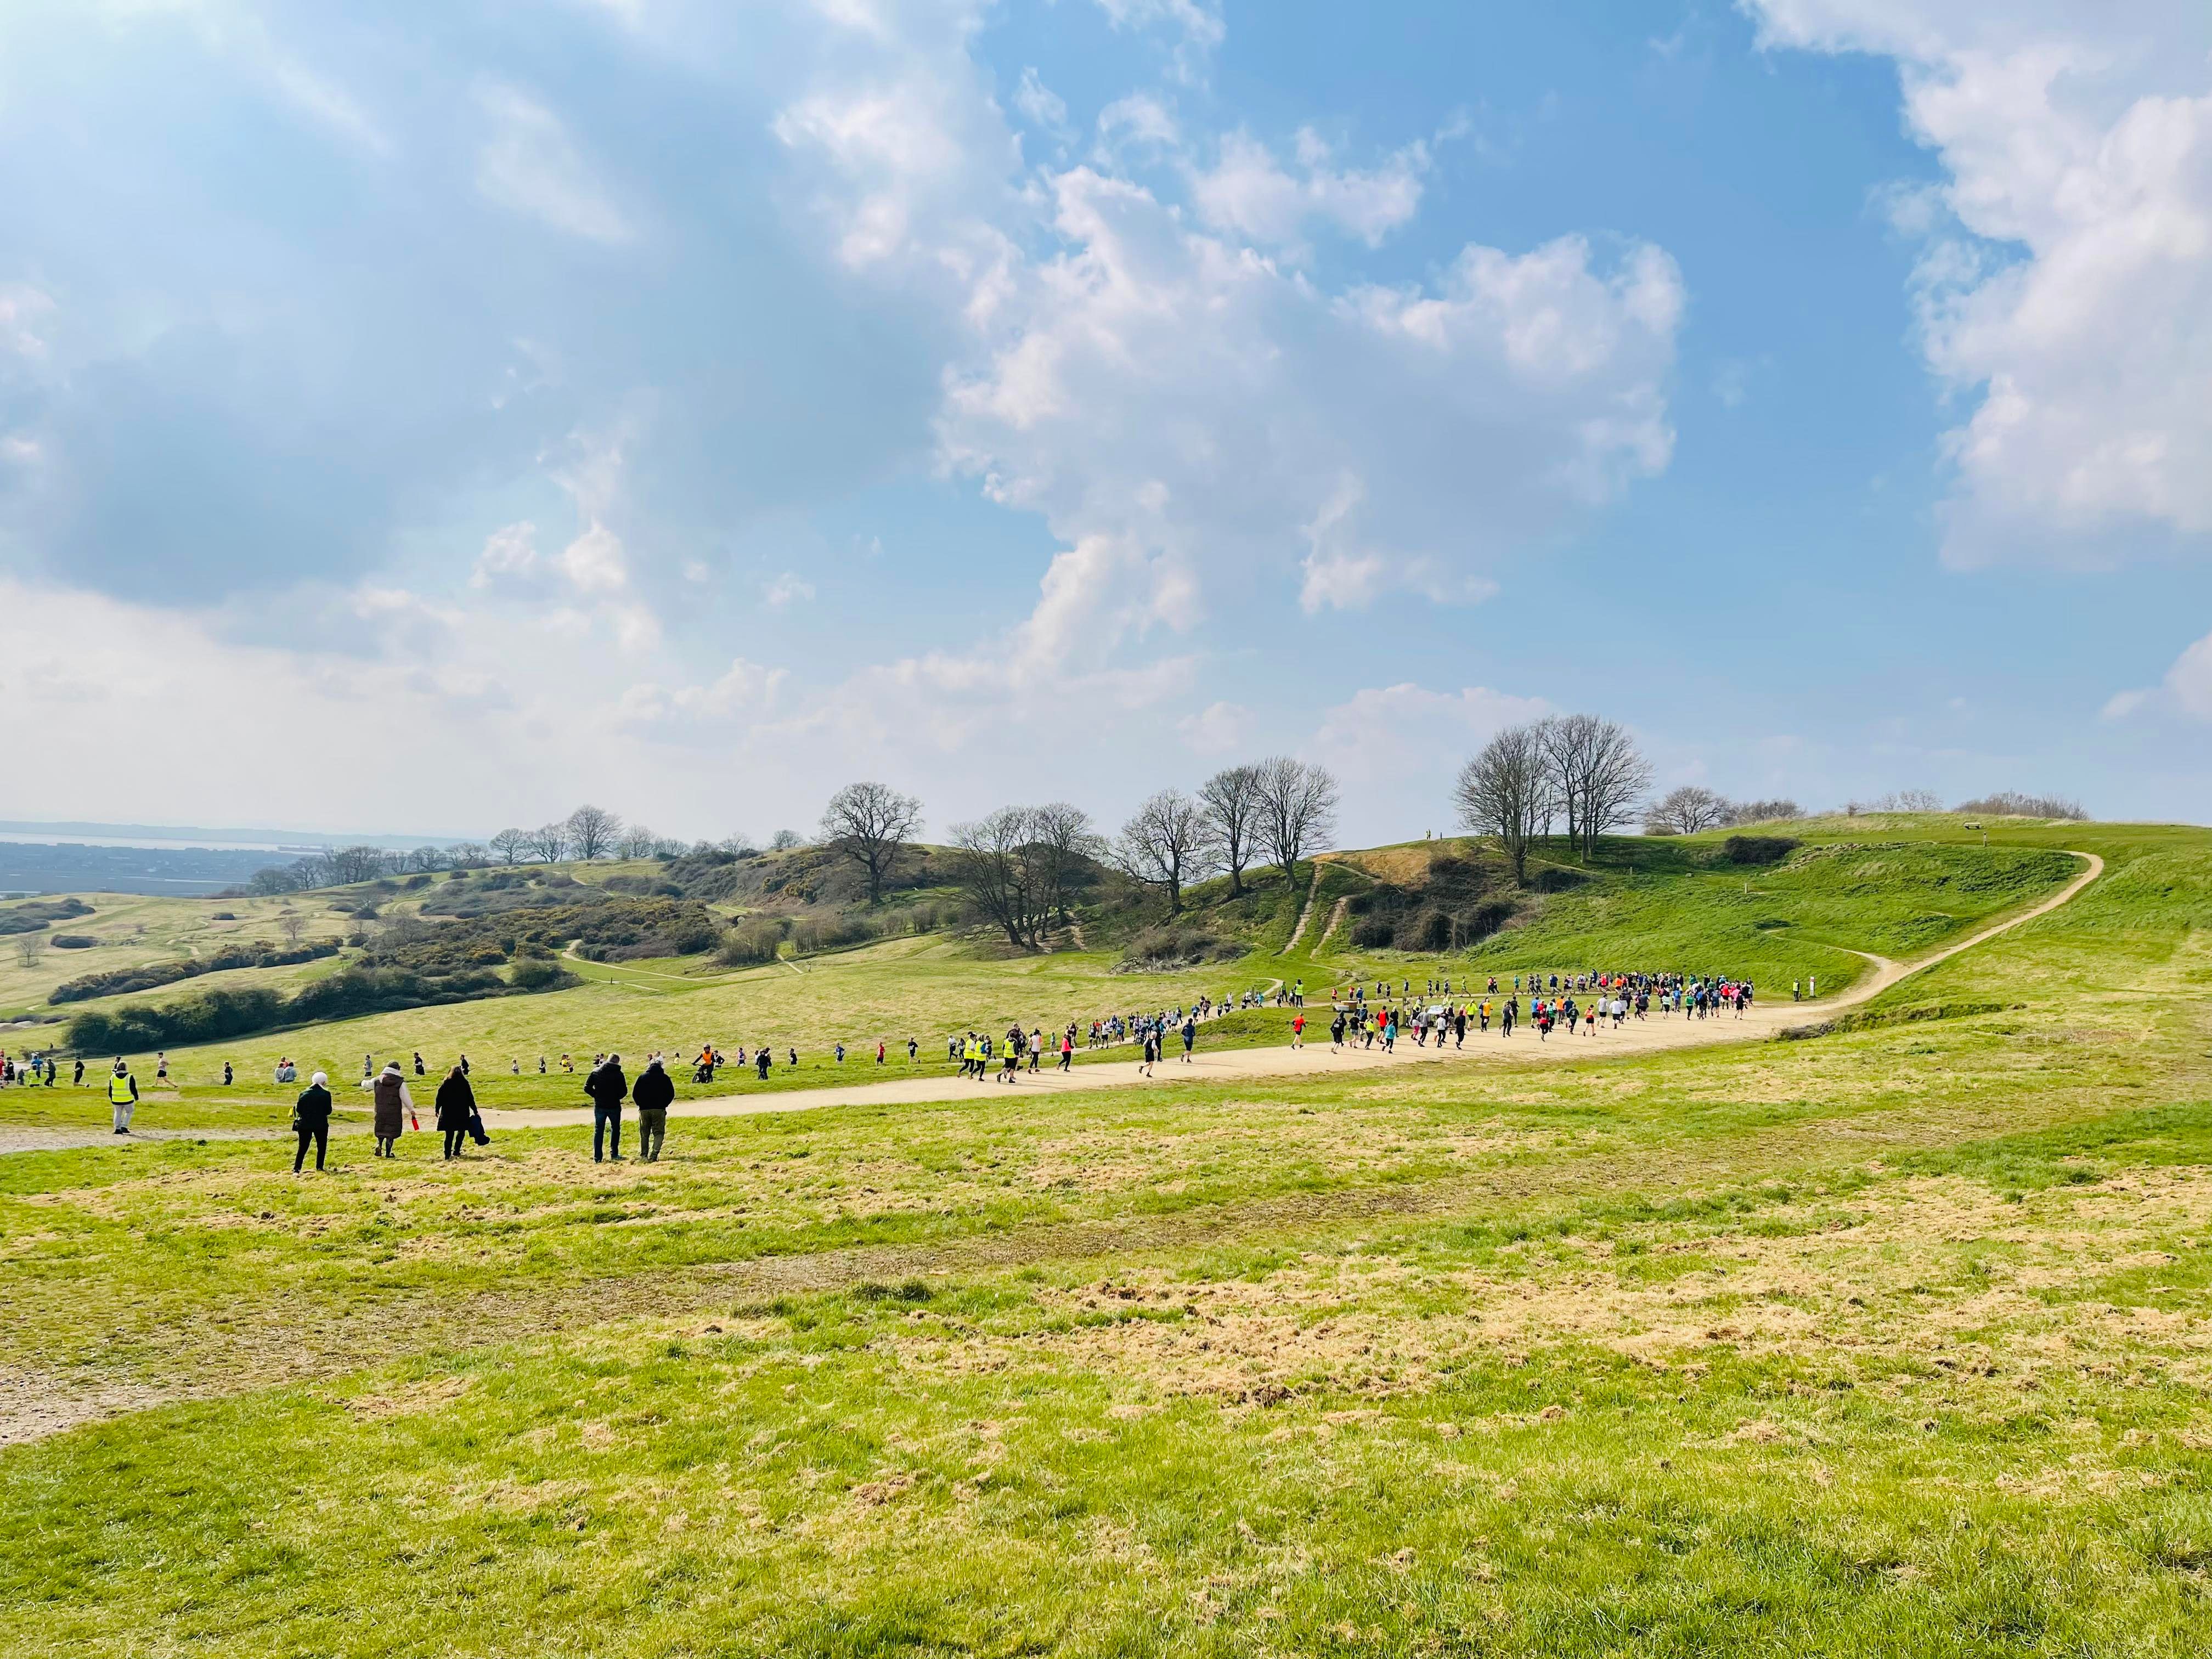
(1317, 1058)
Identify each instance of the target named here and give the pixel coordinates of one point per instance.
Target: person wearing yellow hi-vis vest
(123, 1095)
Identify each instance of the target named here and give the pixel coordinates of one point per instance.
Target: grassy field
(1893, 1341)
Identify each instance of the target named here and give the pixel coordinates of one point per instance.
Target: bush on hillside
(754, 940)
(34, 915)
(120, 982)
(74, 941)
(1553, 879)
(217, 1015)
(1759, 849)
(1176, 944)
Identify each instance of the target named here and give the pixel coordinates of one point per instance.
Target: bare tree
(1019, 864)
(1297, 810)
(636, 842)
(1233, 801)
(342, 865)
(1597, 774)
(29, 948)
(511, 847)
(467, 855)
(549, 843)
(1685, 811)
(2012, 803)
(1170, 841)
(991, 862)
(293, 925)
(871, 825)
(592, 831)
(1063, 842)
(1910, 800)
(784, 841)
(1505, 791)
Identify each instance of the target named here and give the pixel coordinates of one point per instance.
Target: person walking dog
(654, 1090)
(608, 1089)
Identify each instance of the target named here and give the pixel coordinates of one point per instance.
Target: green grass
(1885, 1341)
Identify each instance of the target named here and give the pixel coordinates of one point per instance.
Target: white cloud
(531, 165)
(1139, 118)
(1398, 747)
(510, 550)
(1197, 28)
(1219, 728)
(24, 313)
(1248, 191)
(1173, 401)
(2065, 285)
(2185, 690)
(744, 691)
(782, 591)
(1044, 107)
(595, 562)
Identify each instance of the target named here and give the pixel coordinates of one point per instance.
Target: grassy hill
(1887, 1342)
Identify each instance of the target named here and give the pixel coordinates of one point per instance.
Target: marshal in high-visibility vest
(123, 1095)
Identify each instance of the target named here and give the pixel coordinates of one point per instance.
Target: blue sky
(439, 414)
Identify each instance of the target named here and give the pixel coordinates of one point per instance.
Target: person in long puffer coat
(391, 1106)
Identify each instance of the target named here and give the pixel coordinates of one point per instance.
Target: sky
(430, 415)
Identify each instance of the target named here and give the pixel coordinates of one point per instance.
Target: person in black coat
(457, 1109)
(311, 1119)
(655, 1089)
(608, 1089)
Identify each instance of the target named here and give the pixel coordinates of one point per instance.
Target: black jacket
(607, 1086)
(312, 1108)
(457, 1104)
(655, 1089)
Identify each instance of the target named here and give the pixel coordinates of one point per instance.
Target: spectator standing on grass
(390, 1107)
(456, 1107)
(311, 1120)
(608, 1088)
(123, 1095)
(655, 1089)
(76, 1080)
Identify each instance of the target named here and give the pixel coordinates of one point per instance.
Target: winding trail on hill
(1233, 1066)
(1305, 915)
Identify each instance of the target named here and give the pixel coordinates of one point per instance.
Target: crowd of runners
(1362, 1017)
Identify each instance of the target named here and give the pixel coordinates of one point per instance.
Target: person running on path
(123, 1095)
(1151, 1052)
(608, 1086)
(1067, 1048)
(1190, 1032)
(763, 1061)
(1335, 1032)
(311, 1122)
(454, 1106)
(161, 1067)
(1037, 1048)
(654, 1090)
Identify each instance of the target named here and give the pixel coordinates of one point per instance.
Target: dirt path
(1305, 913)
(1232, 1065)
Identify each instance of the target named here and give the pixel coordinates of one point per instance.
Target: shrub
(1177, 945)
(120, 982)
(74, 941)
(754, 940)
(1759, 849)
(538, 974)
(1554, 879)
